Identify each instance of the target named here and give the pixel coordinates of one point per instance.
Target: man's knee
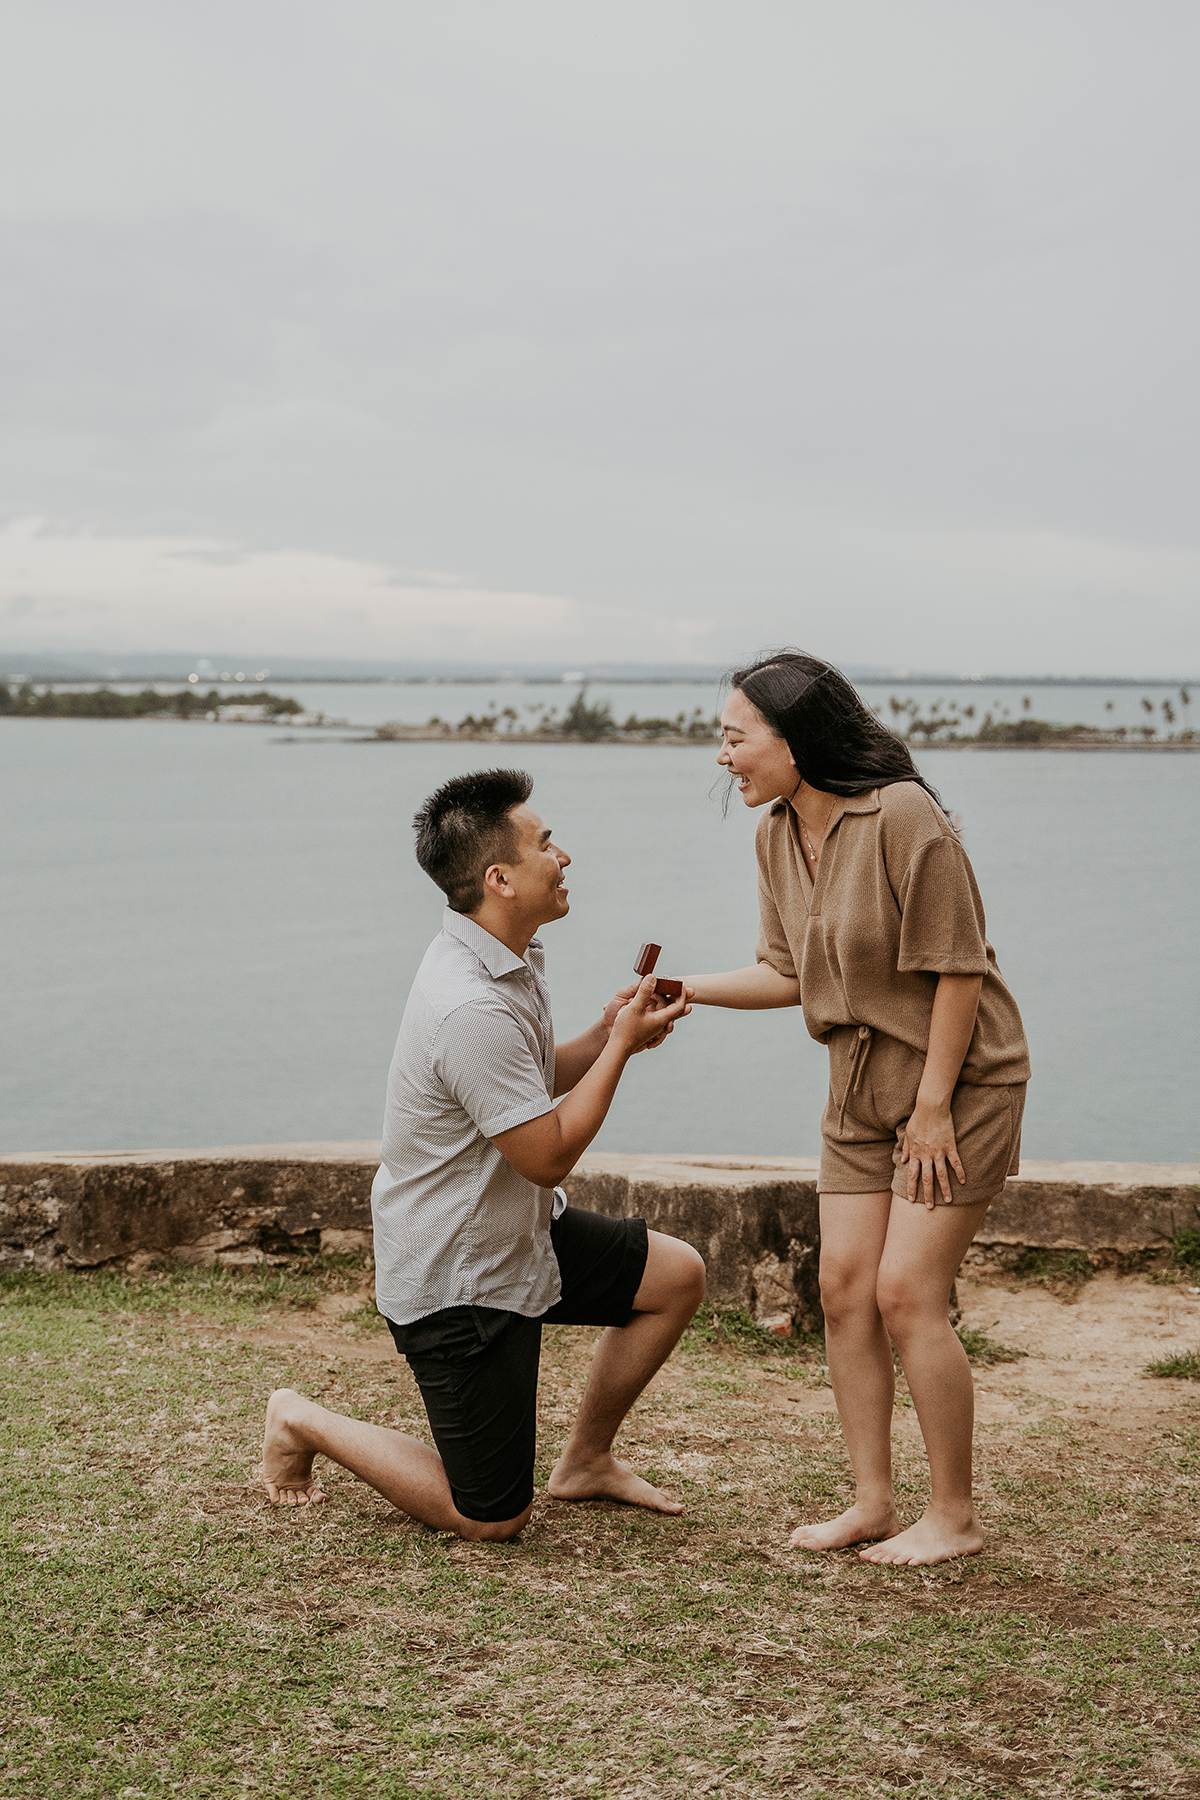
(673, 1280)
(687, 1276)
(493, 1531)
(692, 1276)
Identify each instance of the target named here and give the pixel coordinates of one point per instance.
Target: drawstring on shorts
(858, 1062)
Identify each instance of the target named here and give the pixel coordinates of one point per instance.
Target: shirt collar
(496, 957)
(853, 803)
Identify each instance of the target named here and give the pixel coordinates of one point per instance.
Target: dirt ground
(1085, 1348)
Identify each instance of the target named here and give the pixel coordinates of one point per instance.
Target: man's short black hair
(465, 827)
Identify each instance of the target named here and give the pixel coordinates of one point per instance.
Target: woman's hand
(928, 1144)
(930, 1150)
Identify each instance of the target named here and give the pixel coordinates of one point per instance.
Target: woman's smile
(765, 770)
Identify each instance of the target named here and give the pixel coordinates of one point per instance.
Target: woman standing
(871, 920)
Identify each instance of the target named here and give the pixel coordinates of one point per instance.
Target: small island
(582, 723)
(106, 703)
(948, 727)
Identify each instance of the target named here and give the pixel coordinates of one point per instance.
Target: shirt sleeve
(487, 1064)
(772, 947)
(942, 928)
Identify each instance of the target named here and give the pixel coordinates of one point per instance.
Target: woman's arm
(929, 1135)
(750, 989)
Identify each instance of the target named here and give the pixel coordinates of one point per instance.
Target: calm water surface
(208, 935)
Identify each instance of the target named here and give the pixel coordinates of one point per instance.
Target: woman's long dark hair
(837, 745)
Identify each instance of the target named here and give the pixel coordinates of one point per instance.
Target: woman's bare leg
(401, 1468)
(854, 1230)
(919, 1263)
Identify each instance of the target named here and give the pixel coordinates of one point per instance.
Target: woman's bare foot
(287, 1466)
(928, 1541)
(606, 1479)
(860, 1525)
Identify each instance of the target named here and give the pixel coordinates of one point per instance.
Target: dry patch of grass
(167, 1633)
(1184, 1366)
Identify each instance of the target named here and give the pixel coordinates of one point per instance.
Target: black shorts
(477, 1366)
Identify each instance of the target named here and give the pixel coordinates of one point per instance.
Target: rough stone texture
(229, 1206)
(753, 1218)
(1120, 1208)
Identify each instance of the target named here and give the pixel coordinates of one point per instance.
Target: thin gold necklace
(806, 835)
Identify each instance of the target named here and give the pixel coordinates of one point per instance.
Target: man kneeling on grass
(475, 1246)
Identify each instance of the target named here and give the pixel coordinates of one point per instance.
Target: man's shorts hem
(601, 1262)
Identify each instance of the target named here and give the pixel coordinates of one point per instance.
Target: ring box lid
(664, 985)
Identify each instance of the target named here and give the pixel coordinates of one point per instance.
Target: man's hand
(547, 1148)
(621, 999)
(642, 1018)
(573, 1059)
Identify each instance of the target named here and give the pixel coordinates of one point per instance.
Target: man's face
(537, 872)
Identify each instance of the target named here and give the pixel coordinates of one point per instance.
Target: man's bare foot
(860, 1525)
(928, 1541)
(606, 1479)
(287, 1466)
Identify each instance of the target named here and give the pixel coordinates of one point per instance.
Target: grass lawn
(165, 1632)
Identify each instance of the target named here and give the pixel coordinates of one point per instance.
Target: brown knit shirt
(895, 905)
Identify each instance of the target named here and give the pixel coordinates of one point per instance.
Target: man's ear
(495, 880)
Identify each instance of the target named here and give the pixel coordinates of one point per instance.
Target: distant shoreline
(944, 727)
(674, 677)
(419, 734)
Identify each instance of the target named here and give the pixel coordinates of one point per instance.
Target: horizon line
(81, 665)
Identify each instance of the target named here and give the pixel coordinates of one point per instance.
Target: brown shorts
(873, 1081)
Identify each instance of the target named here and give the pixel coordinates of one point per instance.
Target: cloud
(987, 599)
(867, 325)
(70, 589)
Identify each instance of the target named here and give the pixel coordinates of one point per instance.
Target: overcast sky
(613, 330)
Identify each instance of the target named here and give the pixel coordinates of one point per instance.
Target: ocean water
(207, 935)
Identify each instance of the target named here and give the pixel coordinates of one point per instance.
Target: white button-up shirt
(455, 1224)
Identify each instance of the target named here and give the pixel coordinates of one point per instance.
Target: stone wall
(753, 1218)
(234, 1205)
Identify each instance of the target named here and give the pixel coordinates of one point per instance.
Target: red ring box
(647, 956)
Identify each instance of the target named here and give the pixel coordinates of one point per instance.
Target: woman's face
(757, 757)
